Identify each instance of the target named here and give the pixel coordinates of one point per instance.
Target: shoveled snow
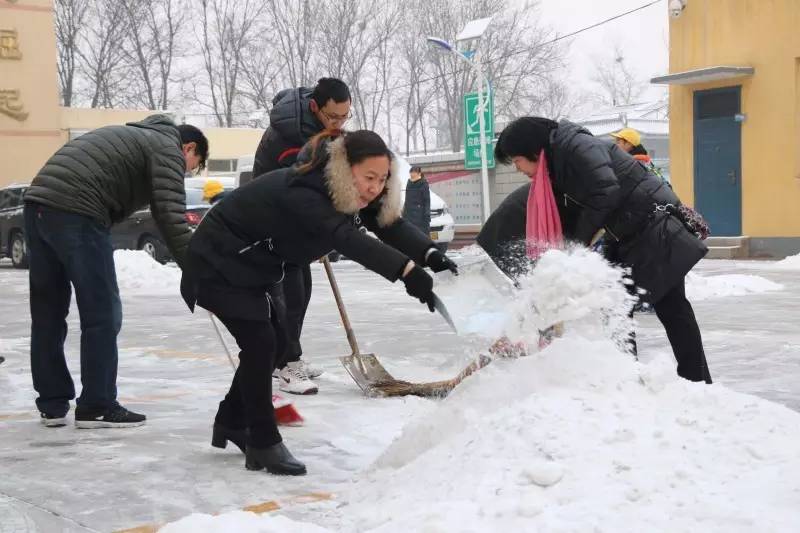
(575, 437)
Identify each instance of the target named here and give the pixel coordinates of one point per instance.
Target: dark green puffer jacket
(110, 172)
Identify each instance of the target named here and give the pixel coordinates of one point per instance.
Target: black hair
(191, 134)
(359, 145)
(330, 89)
(638, 150)
(362, 144)
(526, 137)
(416, 168)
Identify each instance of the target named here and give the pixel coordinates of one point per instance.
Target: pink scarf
(543, 225)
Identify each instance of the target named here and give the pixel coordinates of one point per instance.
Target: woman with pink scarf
(580, 186)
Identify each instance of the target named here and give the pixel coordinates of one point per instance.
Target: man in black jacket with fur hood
(296, 116)
(88, 185)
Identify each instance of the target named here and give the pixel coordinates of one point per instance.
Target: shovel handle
(351, 337)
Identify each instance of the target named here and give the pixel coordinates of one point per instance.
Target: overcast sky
(643, 35)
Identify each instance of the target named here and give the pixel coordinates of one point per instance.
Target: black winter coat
(417, 206)
(110, 172)
(598, 186)
(242, 244)
(291, 125)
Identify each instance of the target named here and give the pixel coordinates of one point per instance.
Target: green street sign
(472, 132)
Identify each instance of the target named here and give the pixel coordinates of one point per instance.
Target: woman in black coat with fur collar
(342, 181)
(598, 186)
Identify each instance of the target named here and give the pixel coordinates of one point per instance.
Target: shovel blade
(366, 371)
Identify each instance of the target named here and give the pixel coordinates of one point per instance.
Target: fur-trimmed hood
(338, 183)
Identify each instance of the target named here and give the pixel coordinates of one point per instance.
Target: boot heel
(218, 439)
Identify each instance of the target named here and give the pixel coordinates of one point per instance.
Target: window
(221, 165)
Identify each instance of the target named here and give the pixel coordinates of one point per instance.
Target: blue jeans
(67, 248)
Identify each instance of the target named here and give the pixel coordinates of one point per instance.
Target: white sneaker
(294, 380)
(311, 371)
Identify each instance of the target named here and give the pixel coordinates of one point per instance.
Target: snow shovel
(364, 368)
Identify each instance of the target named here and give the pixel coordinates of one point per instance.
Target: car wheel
(154, 248)
(19, 251)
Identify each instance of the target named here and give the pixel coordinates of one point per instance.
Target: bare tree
(70, 17)
(295, 23)
(101, 57)
(226, 27)
(414, 95)
(617, 84)
(150, 47)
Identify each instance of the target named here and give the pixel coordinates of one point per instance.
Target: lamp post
(473, 32)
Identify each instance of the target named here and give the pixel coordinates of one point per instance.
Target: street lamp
(471, 33)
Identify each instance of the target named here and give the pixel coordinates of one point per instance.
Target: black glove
(438, 262)
(419, 285)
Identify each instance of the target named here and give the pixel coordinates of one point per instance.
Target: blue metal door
(718, 159)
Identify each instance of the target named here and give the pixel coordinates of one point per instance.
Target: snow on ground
(699, 287)
(576, 437)
(240, 521)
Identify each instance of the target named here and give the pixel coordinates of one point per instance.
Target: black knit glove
(438, 262)
(419, 284)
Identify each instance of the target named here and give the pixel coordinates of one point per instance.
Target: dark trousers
(249, 400)
(295, 294)
(63, 249)
(677, 316)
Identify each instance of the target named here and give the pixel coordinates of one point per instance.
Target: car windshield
(194, 197)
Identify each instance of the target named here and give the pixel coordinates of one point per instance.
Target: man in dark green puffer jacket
(88, 185)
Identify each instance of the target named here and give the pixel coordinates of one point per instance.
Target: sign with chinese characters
(11, 106)
(9, 44)
(472, 132)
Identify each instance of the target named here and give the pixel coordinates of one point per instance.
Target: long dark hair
(359, 145)
(526, 137)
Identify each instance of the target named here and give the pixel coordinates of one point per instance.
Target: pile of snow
(790, 263)
(138, 272)
(704, 287)
(581, 438)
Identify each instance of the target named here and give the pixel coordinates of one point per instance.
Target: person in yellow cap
(630, 141)
(213, 191)
(627, 139)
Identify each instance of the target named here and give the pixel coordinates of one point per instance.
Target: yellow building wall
(224, 143)
(762, 34)
(29, 136)
(232, 143)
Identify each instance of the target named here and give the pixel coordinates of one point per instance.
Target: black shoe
(222, 434)
(53, 421)
(115, 417)
(277, 459)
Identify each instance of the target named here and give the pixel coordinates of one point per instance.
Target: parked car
(12, 225)
(139, 231)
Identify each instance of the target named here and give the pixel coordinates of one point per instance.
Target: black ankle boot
(222, 434)
(277, 459)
